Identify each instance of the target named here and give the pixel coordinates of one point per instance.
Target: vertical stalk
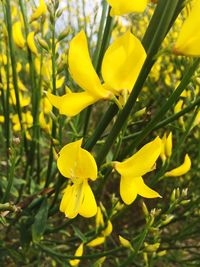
(161, 30)
(53, 133)
(102, 44)
(13, 65)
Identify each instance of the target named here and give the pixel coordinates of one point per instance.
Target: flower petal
(143, 190)
(82, 69)
(122, 62)
(182, 169)
(78, 253)
(76, 163)
(71, 104)
(121, 7)
(89, 206)
(142, 161)
(188, 42)
(96, 242)
(128, 190)
(72, 200)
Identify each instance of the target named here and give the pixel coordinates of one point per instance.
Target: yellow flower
(31, 43)
(18, 37)
(167, 144)
(133, 168)
(78, 253)
(78, 165)
(182, 169)
(188, 42)
(121, 65)
(40, 10)
(121, 7)
(96, 242)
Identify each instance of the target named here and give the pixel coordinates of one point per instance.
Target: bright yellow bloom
(122, 7)
(2, 119)
(18, 37)
(96, 242)
(188, 42)
(78, 253)
(121, 65)
(133, 168)
(40, 10)
(31, 43)
(78, 198)
(166, 151)
(182, 169)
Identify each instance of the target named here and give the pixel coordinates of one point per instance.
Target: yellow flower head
(182, 169)
(121, 66)
(40, 10)
(133, 168)
(78, 165)
(122, 7)
(31, 43)
(18, 37)
(188, 42)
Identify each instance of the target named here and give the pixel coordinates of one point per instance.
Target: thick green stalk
(162, 28)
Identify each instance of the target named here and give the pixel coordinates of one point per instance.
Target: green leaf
(40, 221)
(79, 234)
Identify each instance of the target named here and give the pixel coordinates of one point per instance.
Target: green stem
(102, 44)
(53, 133)
(169, 7)
(10, 177)
(170, 119)
(169, 103)
(14, 68)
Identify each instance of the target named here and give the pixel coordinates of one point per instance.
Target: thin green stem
(169, 103)
(10, 176)
(53, 133)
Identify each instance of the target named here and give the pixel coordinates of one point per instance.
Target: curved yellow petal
(18, 37)
(143, 190)
(142, 161)
(188, 42)
(122, 62)
(76, 163)
(40, 10)
(71, 104)
(31, 43)
(96, 242)
(72, 199)
(128, 191)
(168, 145)
(78, 253)
(121, 7)
(82, 69)
(108, 229)
(88, 207)
(182, 169)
